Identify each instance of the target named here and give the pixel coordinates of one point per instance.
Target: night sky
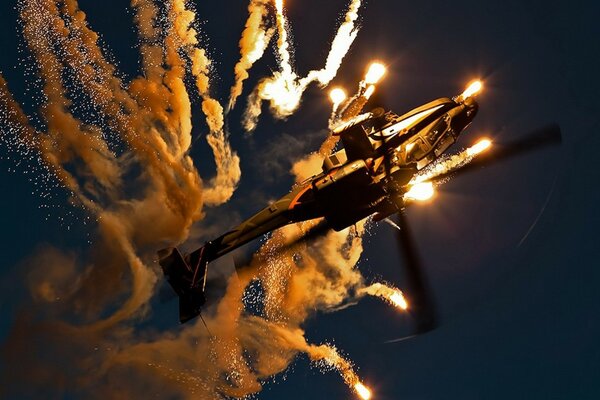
(511, 250)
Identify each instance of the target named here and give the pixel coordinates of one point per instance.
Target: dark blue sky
(512, 250)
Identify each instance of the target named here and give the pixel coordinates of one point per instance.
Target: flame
(479, 147)
(473, 89)
(363, 391)
(337, 95)
(422, 191)
(375, 73)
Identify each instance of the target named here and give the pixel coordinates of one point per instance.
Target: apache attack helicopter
(370, 176)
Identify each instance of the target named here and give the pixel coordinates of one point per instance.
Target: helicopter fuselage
(355, 181)
(381, 154)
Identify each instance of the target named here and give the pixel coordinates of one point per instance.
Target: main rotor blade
(419, 294)
(537, 140)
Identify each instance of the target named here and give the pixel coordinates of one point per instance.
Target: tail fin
(187, 276)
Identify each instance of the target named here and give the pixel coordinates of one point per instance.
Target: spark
(421, 191)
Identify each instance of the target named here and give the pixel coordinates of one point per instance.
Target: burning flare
(363, 391)
(421, 191)
(374, 74)
(390, 294)
(473, 89)
(479, 147)
(337, 96)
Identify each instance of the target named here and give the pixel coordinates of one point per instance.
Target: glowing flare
(337, 95)
(479, 147)
(362, 391)
(388, 293)
(473, 89)
(375, 73)
(420, 192)
(398, 299)
(369, 92)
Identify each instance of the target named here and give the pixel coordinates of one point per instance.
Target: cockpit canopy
(417, 136)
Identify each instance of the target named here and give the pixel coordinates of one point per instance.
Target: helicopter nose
(464, 114)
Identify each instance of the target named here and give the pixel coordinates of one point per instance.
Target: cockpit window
(407, 122)
(436, 132)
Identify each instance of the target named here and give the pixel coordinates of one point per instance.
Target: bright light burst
(479, 147)
(363, 391)
(375, 73)
(422, 191)
(397, 298)
(337, 96)
(473, 89)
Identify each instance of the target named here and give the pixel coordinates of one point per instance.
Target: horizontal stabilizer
(187, 277)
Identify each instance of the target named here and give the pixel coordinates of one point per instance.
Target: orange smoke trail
(253, 43)
(221, 188)
(177, 182)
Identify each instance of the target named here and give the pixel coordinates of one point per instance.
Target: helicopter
(372, 175)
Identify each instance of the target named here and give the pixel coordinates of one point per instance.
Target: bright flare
(420, 192)
(369, 92)
(398, 299)
(375, 73)
(479, 147)
(337, 95)
(387, 293)
(473, 89)
(362, 391)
